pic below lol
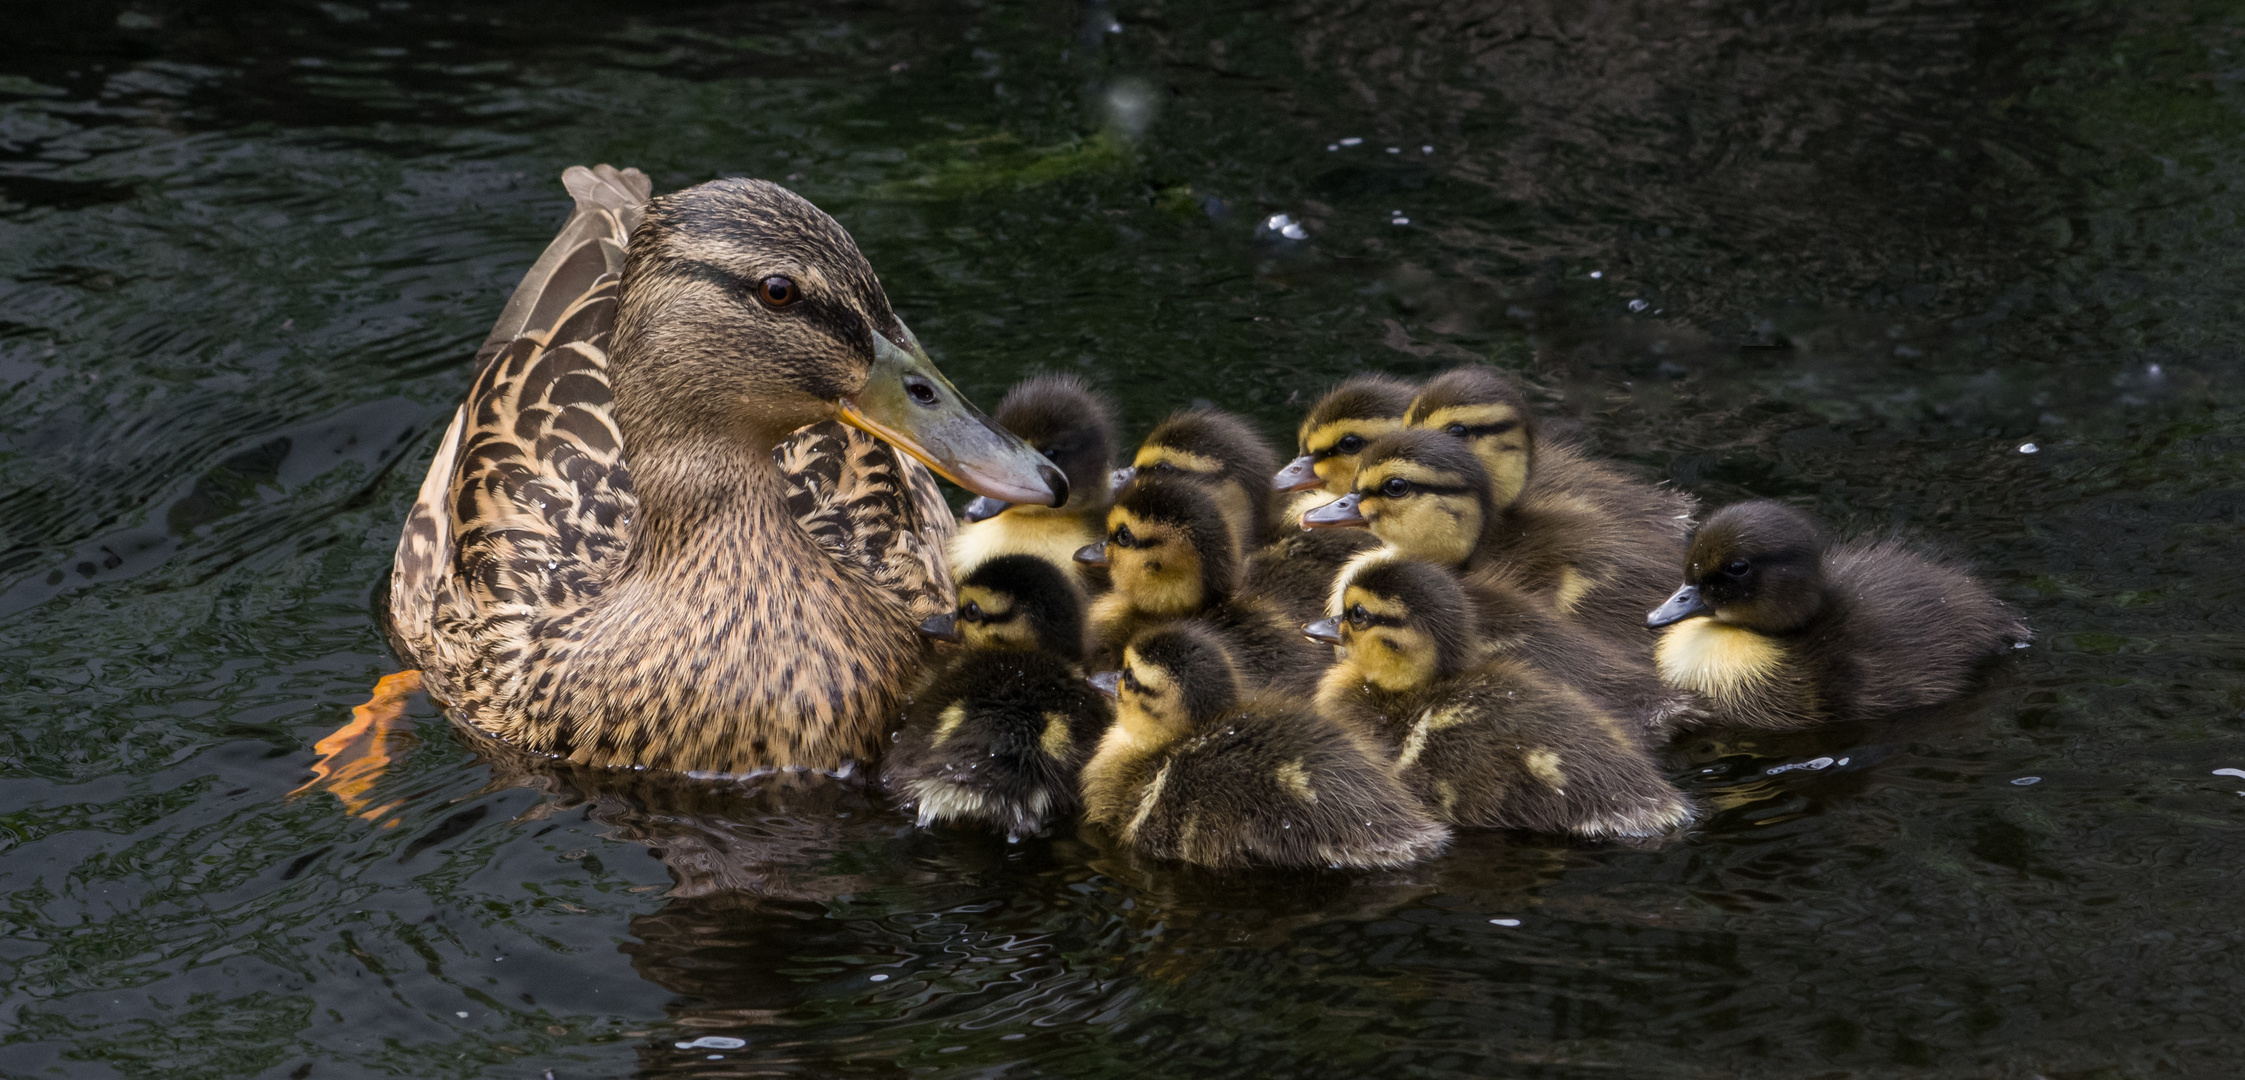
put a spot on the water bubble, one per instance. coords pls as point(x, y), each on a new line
point(1399, 220)
point(461, 1015)
point(1395, 149)
point(2154, 371)
point(1114, 28)
point(2238, 773)
point(1504, 922)
point(1130, 105)
point(1638, 305)
point(1352, 141)
point(1429, 148)
point(714, 1042)
point(1812, 764)
point(2026, 781)
point(880, 978)
point(1596, 274)
point(2029, 448)
point(1332, 146)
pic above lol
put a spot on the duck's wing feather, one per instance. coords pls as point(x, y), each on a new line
point(876, 511)
point(523, 509)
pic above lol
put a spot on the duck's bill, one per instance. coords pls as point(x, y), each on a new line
point(1094, 554)
point(1684, 605)
point(909, 405)
point(983, 508)
point(1324, 631)
point(943, 626)
point(1106, 682)
point(1299, 474)
point(1341, 513)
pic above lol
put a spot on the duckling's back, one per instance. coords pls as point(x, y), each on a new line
point(1903, 630)
point(999, 738)
point(1272, 784)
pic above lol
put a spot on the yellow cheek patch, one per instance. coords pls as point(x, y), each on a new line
point(1185, 460)
point(1716, 659)
point(1055, 742)
point(1543, 764)
point(1438, 529)
point(947, 722)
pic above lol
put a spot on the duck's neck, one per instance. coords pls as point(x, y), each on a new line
point(695, 488)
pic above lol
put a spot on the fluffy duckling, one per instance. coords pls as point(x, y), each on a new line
point(1074, 427)
point(1191, 771)
point(1776, 628)
point(1631, 530)
point(1172, 555)
point(999, 735)
point(1219, 451)
point(1427, 495)
point(1484, 738)
point(1337, 429)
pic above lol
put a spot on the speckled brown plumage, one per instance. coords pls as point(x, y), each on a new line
point(710, 594)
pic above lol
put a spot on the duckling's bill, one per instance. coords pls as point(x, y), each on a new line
point(941, 626)
point(1299, 474)
point(1325, 631)
point(1684, 605)
point(908, 404)
point(1341, 513)
point(1106, 682)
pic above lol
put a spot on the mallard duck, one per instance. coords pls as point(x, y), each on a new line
point(1427, 494)
point(1172, 555)
point(1000, 732)
point(1485, 739)
point(1192, 771)
point(1624, 533)
point(1337, 428)
point(669, 527)
point(1776, 628)
point(1073, 426)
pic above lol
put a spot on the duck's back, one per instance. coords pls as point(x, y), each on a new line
point(1273, 785)
point(1902, 631)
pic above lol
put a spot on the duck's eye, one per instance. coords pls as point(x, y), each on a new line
point(921, 391)
point(778, 291)
point(1358, 616)
point(1350, 444)
point(972, 612)
point(1396, 487)
point(1124, 538)
point(1736, 568)
point(1456, 430)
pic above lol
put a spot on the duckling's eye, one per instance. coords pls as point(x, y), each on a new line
point(778, 291)
point(1455, 430)
point(1396, 487)
point(1736, 568)
point(1350, 444)
point(1130, 681)
point(1164, 467)
point(1358, 616)
point(972, 612)
point(1123, 537)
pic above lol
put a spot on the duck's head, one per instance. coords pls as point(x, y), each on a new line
point(1014, 602)
point(1485, 408)
point(1173, 679)
point(1217, 450)
point(1422, 493)
point(1169, 548)
point(1337, 429)
point(1400, 623)
point(744, 313)
point(1757, 565)
point(1073, 427)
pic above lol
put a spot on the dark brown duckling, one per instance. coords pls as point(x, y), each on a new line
point(1073, 426)
point(1776, 628)
point(999, 734)
point(1629, 530)
point(1484, 738)
point(1171, 552)
point(1194, 772)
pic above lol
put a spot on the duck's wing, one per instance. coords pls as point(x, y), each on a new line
point(523, 510)
point(877, 511)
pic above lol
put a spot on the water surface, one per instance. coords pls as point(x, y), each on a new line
point(1969, 270)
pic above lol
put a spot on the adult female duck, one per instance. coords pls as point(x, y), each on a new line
point(643, 542)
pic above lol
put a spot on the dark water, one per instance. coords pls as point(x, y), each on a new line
point(1856, 255)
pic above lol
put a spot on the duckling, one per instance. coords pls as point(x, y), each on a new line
point(1220, 451)
point(1338, 427)
point(1073, 426)
point(1192, 771)
point(1484, 738)
point(999, 735)
point(1628, 530)
point(1776, 628)
point(1427, 495)
point(1172, 554)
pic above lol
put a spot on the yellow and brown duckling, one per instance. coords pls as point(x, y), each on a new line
point(1484, 738)
point(1337, 428)
point(1172, 555)
point(1193, 771)
point(1219, 451)
point(999, 735)
point(1073, 426)
point(1624, 531)
point(1776, 628)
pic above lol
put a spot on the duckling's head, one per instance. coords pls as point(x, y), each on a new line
point(1173, 678)
point(1014, 602)
point(1487, 409)
point(1218, 450)
point(1422, 493)
point(1337, 429)
point(1063, 418)
point(744, 313)
point(1169, 548)
point(1400, 622)
point(1757, 565)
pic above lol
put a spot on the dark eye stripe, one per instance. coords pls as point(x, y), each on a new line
point(1475, 431)
point(1422, 488)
